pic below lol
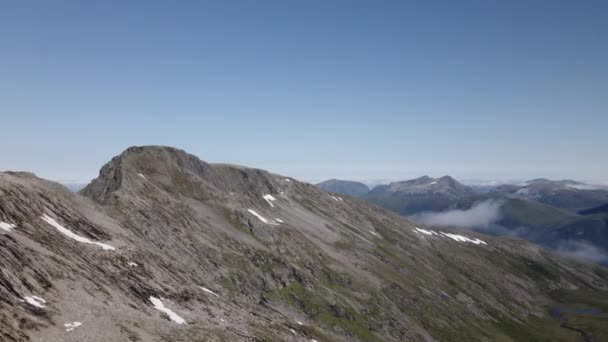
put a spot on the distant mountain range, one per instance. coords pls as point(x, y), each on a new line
point(354, 189)
point(74, 187)
point(562, 215)
point(564, 194)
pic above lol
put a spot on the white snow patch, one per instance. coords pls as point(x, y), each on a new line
point(287, 180)
point(262, 218)
point(132, 264)
point(141, 175)
point(35, 301)
point(373, 233)
point(456, 237)
point(431, 183)
point(340, 198)
point(313, 340)
point(269, 199)
point(463, 238)
point(71, 326)
point(209, 291)
point(293, 331)
point(299, 323)
point(71, 235)
point(158, 305)
point(426, 232)
point(7, 226)
point(335, 198)
point(279, 220)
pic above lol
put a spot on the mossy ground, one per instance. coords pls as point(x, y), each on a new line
point(595, 324)
point(328, 314)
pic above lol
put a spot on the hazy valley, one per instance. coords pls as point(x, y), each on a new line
point(567, 216)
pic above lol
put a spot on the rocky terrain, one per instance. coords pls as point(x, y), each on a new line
point(165, 247)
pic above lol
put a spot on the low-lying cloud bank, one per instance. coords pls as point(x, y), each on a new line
point(484, 216)
point(480, 215)
point(582, 250)
point(585, 186)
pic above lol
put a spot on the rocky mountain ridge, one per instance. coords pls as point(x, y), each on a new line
point(165, 247)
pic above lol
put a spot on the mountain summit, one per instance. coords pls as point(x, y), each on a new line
point(445, 185)
point(163, 246)
point(419, 195)
point(344, 187)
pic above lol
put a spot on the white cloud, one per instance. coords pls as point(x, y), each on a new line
point(584, 186)
point(482, 214)
point(582, 250)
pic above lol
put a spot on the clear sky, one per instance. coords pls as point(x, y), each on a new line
point(312, 89)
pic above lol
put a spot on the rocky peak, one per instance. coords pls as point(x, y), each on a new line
point(426, 184)
point(141, 169)
point(421, 180)
point(448, 179)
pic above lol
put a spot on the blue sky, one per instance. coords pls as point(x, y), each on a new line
point(311, 89)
